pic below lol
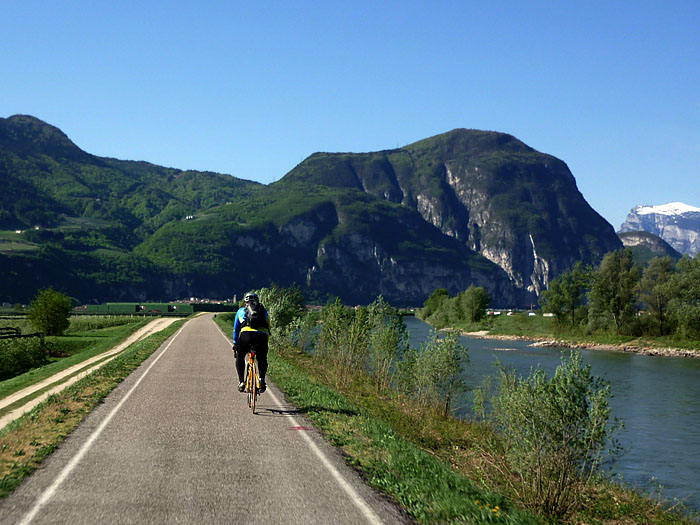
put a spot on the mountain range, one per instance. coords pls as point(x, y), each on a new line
point(676, 223)
point(460, 208)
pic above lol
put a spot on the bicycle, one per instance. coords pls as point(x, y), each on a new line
point(252, 380)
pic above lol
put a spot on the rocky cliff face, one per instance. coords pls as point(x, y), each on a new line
point(338, 248)
point(676, 223)
point(517, 207)
point(403, 275)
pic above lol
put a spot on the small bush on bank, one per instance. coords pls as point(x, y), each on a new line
point(388, 342)
point(552, 435)
point(432, 375)
point(19, 355)
point(343, 340)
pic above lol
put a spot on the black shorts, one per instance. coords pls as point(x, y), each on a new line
point(247, 341)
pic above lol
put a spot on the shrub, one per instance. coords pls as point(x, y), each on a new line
point(433, 303)
point(283, 305)
point(473, 302)
point(19, 355)
point(552, 434)
point(432, 375)
point(388, 342)
point(343, 340)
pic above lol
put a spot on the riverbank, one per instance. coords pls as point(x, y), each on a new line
point(588, 345)
point(654, 397)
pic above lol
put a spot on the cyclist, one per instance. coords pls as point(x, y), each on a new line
point(251, 330)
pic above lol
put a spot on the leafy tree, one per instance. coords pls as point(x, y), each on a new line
point(553, 300)
point(566, 293)
point(283, 305)
point(433, 303)
point(614, 286)
point(474, 301)
point(656, 288)
point(49, 311)
point(685, 308)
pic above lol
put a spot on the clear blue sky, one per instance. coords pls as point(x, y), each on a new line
point(253, 88)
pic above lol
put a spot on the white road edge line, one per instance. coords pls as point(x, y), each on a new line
point(349, 490)
point(49, 492)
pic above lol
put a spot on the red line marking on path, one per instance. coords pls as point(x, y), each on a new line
point(300, 428)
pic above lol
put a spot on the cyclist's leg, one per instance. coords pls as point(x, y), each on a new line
point(261, 350)
point(243, 347)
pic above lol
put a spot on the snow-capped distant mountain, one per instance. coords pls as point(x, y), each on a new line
point(672, 208)
point(676, 223)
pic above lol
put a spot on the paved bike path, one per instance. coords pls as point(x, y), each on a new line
point(176, 442)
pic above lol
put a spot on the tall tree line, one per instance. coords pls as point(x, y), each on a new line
point(660, 299)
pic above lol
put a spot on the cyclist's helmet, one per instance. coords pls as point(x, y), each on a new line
point(251, 297)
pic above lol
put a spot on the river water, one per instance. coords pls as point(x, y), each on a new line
point(658, 398)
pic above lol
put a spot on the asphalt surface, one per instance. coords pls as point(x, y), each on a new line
point(177, 443)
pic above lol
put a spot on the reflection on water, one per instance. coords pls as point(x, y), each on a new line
point(658, 398)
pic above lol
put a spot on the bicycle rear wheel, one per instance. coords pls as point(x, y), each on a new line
point(249, 384)
point(255, 386)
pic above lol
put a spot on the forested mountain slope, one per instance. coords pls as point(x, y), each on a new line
point(466, 207)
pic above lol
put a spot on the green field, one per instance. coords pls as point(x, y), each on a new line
point(11, 241)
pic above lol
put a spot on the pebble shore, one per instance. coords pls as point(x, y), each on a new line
point(548, 342)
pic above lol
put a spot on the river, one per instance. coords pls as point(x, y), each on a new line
point(658, 398)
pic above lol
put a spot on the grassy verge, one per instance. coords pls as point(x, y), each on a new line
point(25, 442)
point(426, 487)
point(436, 469)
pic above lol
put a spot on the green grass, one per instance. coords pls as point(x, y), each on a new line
point(425, 486)
point(19, 322)
point(521, 323)
point(98, 324)
point(78, 223)
point(99, 341)
point(11, 241)
point(17, 246)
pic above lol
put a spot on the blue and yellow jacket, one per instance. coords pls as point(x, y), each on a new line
point(239, 325)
